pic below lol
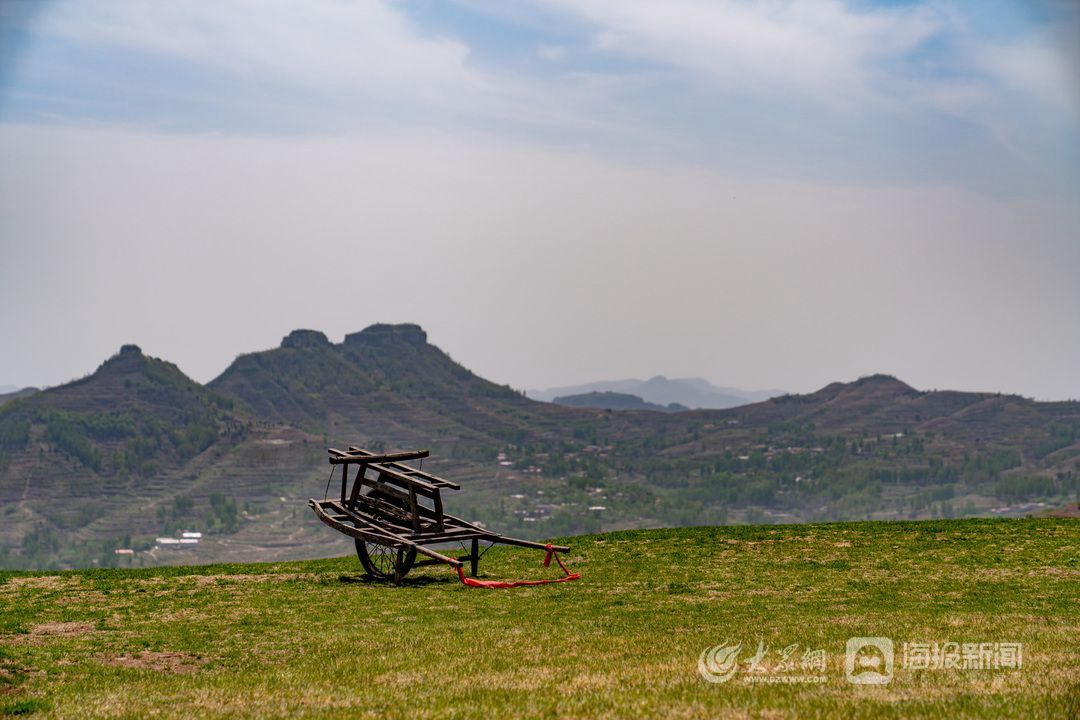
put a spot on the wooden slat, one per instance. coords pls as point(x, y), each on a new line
point(405, 469)
point(528, 544)
point(358, 515)
point(414, 507)
point(422, 563)
point(435, 538)
point(407, 479)
point(377, 533)
point(391, 491)
point(439, 518)
point(359, 455)
point(428, 477)
point(367, 529)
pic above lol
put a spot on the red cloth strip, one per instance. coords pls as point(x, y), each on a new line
point(568, 576)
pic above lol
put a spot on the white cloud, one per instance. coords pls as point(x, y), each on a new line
point(819, 48)
point(754, 86)
point(1034, 66)
point(904, 73)
point(347, 53)
point(317, 43)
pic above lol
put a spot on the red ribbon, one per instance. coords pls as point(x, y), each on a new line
point(567, 575)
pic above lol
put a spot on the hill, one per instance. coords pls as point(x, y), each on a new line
point(384, 382)
point(615, 401)
point(131, 416)
point(694, 393)
point(316, 639)
point(138, 451)
point(14, 394)
point(81, 460)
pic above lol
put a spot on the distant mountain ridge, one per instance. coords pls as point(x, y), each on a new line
point(693, 393)
point(615, 401)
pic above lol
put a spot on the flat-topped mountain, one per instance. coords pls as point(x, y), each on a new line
point(383, 335)
point(384, 382)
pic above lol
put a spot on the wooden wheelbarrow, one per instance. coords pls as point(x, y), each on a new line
point(394, 512)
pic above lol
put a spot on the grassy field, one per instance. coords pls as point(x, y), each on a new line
point(317, 639)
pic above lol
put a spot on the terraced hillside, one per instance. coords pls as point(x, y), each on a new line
point(83, 461)
point(137, 450)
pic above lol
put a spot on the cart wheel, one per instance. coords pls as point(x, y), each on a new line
point(383, 561)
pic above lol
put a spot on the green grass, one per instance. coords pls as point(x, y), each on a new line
point(316, 639)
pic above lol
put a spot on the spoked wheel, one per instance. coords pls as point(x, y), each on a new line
point(384, 561)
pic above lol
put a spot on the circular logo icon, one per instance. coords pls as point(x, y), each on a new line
point(719, 663)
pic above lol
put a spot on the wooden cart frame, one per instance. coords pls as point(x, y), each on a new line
point(394, 512)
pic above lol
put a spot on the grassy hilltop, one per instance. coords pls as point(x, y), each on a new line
point(316, 639)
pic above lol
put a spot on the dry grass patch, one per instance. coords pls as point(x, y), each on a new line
point(174, 662)
point(62, 628)
point(42, 582)
point(247, 579)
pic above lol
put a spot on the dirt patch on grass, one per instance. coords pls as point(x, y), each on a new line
point(253, 578)
point(84, 597)
point(43, 632)
point(174, 662)
point(62, 628)
point(184, 615)
point(43, 582)
point(10, 681)
point(1027, 571)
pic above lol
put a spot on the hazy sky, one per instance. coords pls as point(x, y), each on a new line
point(772, 194)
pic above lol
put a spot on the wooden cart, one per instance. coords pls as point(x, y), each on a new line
point(394, 512)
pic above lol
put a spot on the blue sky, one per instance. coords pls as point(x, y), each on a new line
point(979, 93)
point(932, 106)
